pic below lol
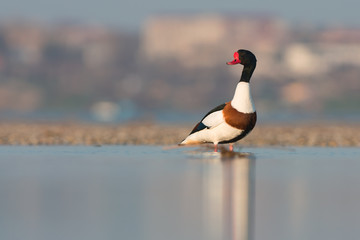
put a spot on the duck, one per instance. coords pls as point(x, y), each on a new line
point(233, 120)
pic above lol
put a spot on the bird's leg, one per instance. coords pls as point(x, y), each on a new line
point(215, 147)
point(231, 147)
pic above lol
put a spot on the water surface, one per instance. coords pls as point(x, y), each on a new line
point(146, 192)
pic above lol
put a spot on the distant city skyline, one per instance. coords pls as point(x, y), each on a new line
point(131, 15)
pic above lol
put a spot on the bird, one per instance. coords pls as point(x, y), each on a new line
point(233, 120)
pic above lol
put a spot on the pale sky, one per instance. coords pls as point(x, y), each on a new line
point(130, 14)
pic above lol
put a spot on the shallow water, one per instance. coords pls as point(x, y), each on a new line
point(146, 192)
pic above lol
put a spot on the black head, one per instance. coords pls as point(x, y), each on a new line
point(243, 57)
point(246, 58)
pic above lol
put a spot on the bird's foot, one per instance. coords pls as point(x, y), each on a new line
point(215, 147)
point(231, 148)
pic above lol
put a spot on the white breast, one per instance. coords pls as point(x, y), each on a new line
point(242, 100)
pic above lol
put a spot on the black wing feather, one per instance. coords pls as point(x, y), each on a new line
point(200, 126)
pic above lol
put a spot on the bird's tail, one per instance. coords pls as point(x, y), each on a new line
point(184, 143)
point(188, 141)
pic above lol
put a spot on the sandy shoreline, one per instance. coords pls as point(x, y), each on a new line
point(330, 134)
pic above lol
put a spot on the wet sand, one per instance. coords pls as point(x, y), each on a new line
point(329, 134)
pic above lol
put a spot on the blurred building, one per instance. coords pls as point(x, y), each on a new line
point(208, 40)
point(97, 44)
point(24, 41)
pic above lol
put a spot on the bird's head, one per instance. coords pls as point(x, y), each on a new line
point(243, 57)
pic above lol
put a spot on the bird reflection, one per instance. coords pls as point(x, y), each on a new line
point(229, 194)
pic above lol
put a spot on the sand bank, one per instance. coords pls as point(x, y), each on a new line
point(330, 134)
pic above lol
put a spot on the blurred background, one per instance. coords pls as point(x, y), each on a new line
point(119, 61)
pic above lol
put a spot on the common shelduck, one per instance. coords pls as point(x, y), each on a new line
point(231, 121)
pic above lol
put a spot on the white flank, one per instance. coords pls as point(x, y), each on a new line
point(242, 100)
point(214, 119)
point(222, 132)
